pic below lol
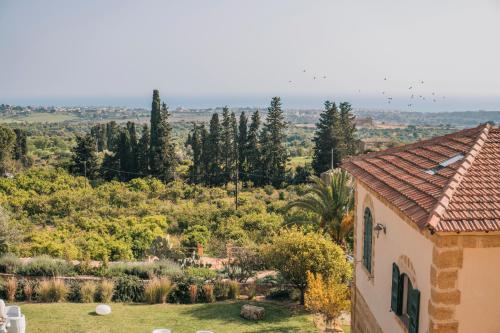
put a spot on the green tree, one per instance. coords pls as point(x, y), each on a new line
point(253, 150)
point(21, 146)
point(84, 160)
point(214, 151)
point(272, 140)
point(242, 146)
point(293, 254)
point(112, 135)
point(348, 130)
point(327, 140)
point(162, 161)
point(143, 151)
point(194, 141)
point(98, 132)
point(332, 202)
point(7, 142)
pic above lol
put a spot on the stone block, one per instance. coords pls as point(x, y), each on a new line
point(252, 312)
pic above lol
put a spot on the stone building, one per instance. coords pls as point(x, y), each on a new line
point(427, 235)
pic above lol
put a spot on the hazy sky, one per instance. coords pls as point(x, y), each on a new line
point(216, 52)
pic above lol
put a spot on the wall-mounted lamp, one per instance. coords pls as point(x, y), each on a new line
point(380, 227)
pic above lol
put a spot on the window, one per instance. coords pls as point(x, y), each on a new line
point(367, 239)
point(405, 300)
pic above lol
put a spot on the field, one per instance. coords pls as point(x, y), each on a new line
point(40, 117)
point(222, 317)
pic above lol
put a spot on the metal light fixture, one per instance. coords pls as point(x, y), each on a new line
point(380, 227)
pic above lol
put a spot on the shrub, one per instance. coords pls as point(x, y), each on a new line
point(52, 290)
point(250, 290)
point(221, 290)
point(180, 292)
point(157, 290)
point(28, 290)
point(197, 234)
point(283, 294)
point(128, 289)
point(193, 293)
point(11, 288)
point(327, 297)
point(234, 290)
point(46, 266)
point(87, 291)
point(200, 273)
point(74, 291)
point(162, 268)
point(9, 263)
point(208, 293)
point(105, 291)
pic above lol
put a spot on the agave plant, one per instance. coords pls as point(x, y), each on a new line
point(333, 202)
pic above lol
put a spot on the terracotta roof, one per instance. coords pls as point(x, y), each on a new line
point(448, 183)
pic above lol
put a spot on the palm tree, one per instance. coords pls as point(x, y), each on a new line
point(333, 202)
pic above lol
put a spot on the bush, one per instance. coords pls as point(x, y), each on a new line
point(250, 290)
point(128, 289)
point(87, 291)
point(279, 294)
point(74, 291)
point(221, 290)
point(157, 290)
point(47, 266)
point(193, 293)
point(9, 263)
point(28, 290)
point(234, 290)
point(208, 293)
point(162, 268)
point(105, 291)
point(52, 290)
point(11, 289)
point(200, 273)
point(180, 292)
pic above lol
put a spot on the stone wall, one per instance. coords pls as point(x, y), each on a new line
point(363, 320)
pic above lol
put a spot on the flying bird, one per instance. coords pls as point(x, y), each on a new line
point(410, 87)
point(324, 76)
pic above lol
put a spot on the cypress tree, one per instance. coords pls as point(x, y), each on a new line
point(125, 156)
point(134, 155)
point(274, 155)
point(348, 130)
point(110, 166)
point(234, 146)
point(214, 151)
point(327, 140)
point(253, 150)
point(205, 158)
point(112, 135)
point(21, 144)
point(143, 151)
point(84, 159)
point(154, 163)
point(226, 142)
point(162, 161)
point(194, 141)
point(242, 146)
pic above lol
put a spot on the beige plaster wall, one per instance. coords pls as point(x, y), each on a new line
point(402, 244)
point(479, 284)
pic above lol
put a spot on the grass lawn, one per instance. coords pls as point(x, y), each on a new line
point(222, 317)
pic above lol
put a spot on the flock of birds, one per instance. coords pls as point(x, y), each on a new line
point(413, 96)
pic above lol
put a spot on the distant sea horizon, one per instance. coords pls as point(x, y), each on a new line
point(365, 102)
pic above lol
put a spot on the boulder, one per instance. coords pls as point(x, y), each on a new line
point(252, 312)
point(103, 309)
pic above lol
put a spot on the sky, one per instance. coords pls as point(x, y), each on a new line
point(241, 53)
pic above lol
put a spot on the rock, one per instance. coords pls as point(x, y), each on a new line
point(103, 309)
point(252, 312)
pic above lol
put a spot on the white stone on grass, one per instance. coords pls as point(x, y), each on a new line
point(162, 330)
point(103, 309)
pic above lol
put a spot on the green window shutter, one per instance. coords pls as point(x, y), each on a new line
point(395, 291)
point(413, 310)
point(367, 240)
